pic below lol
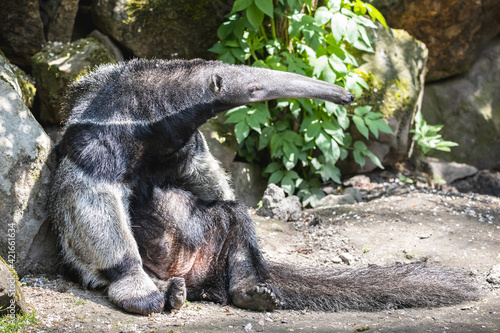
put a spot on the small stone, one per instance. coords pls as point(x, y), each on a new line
point(347, 258)
point(494, 275)
point(336, 260)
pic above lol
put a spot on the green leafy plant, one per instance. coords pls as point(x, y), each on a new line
point(299, 141)
point(427, 136)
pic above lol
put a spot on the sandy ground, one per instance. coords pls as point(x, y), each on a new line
point(456, 230)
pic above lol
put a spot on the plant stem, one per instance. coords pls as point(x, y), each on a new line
point(263, 32)
point(273, 28)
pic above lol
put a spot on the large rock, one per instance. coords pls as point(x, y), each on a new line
point(11, 295)
point(21, 30)
point(25, 83)
point(247, 182)
point(57, 65)
point(25, 169)
point(276, 206)
point(469, 109)
point(483, 182)
point(61, 20)
point(455, 31)
point(395, 75)
point(447, 171)
point(162, 28)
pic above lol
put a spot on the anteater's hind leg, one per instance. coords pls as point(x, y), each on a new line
point(211, 245)
point(248, 273)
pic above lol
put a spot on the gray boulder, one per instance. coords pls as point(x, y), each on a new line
point(483, 182)
point(21, 31)
point(25, 170)
point(11, 295)
point(395, 75)
point(57, 65)
point(455, 32)
point(163, 28)
point(448, 171)
point(247, 182)
point(468, 107)
point(276, 206)
point(61, 14)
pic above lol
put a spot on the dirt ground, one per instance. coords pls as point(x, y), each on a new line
point(402, 224)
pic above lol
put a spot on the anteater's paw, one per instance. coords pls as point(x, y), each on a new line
point(175, 295)
point(262, 297)
point(136, 294)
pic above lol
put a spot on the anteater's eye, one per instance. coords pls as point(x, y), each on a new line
point(254, 88)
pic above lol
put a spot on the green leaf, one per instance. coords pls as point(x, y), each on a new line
point(276, 177)
point(265, 137)
point(339, 111)
point(359, 9)
point(265, 6)
point(337, 65)
point(312, 130)
point(352, 85)
point(272, 167)
point(383, 126)
point(291, 151)
point(288, 185)
point(372, 126)
point(237, 115)
point(254, 124)
point(315, 163)
point(328, 146)
point(276, 143)
point(322, 69)
point(338, 26)
point(330, 172)
point(332, 128)
point(360, 125)
point(351, 33)
point(218, 48)
point(227, 58)
point(240, 5)
point(238, 54)
point(362, 110)
point(322, 16)
point(225, 29)
point(374, 159)
point(255, 16)
point(241, 130)
point(295, 108)
point(359, 153)
point(376, 15)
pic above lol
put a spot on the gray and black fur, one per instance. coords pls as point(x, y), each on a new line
point(144, 210)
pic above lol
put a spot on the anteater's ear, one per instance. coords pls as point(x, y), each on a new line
point(216, 84)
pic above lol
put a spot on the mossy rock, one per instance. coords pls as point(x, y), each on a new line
point(11, 295)
point(57, 65)
point(162, 28)
point(395, 74)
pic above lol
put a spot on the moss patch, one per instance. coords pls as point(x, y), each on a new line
point(390, 98)
point(58, 64)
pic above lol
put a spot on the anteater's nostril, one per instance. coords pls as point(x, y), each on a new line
point(350, 97)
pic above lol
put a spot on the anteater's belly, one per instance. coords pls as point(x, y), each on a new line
point(168, 258)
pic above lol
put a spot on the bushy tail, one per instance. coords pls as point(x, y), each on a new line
point(370, 289)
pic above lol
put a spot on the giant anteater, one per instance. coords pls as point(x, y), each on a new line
point(144, 210)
